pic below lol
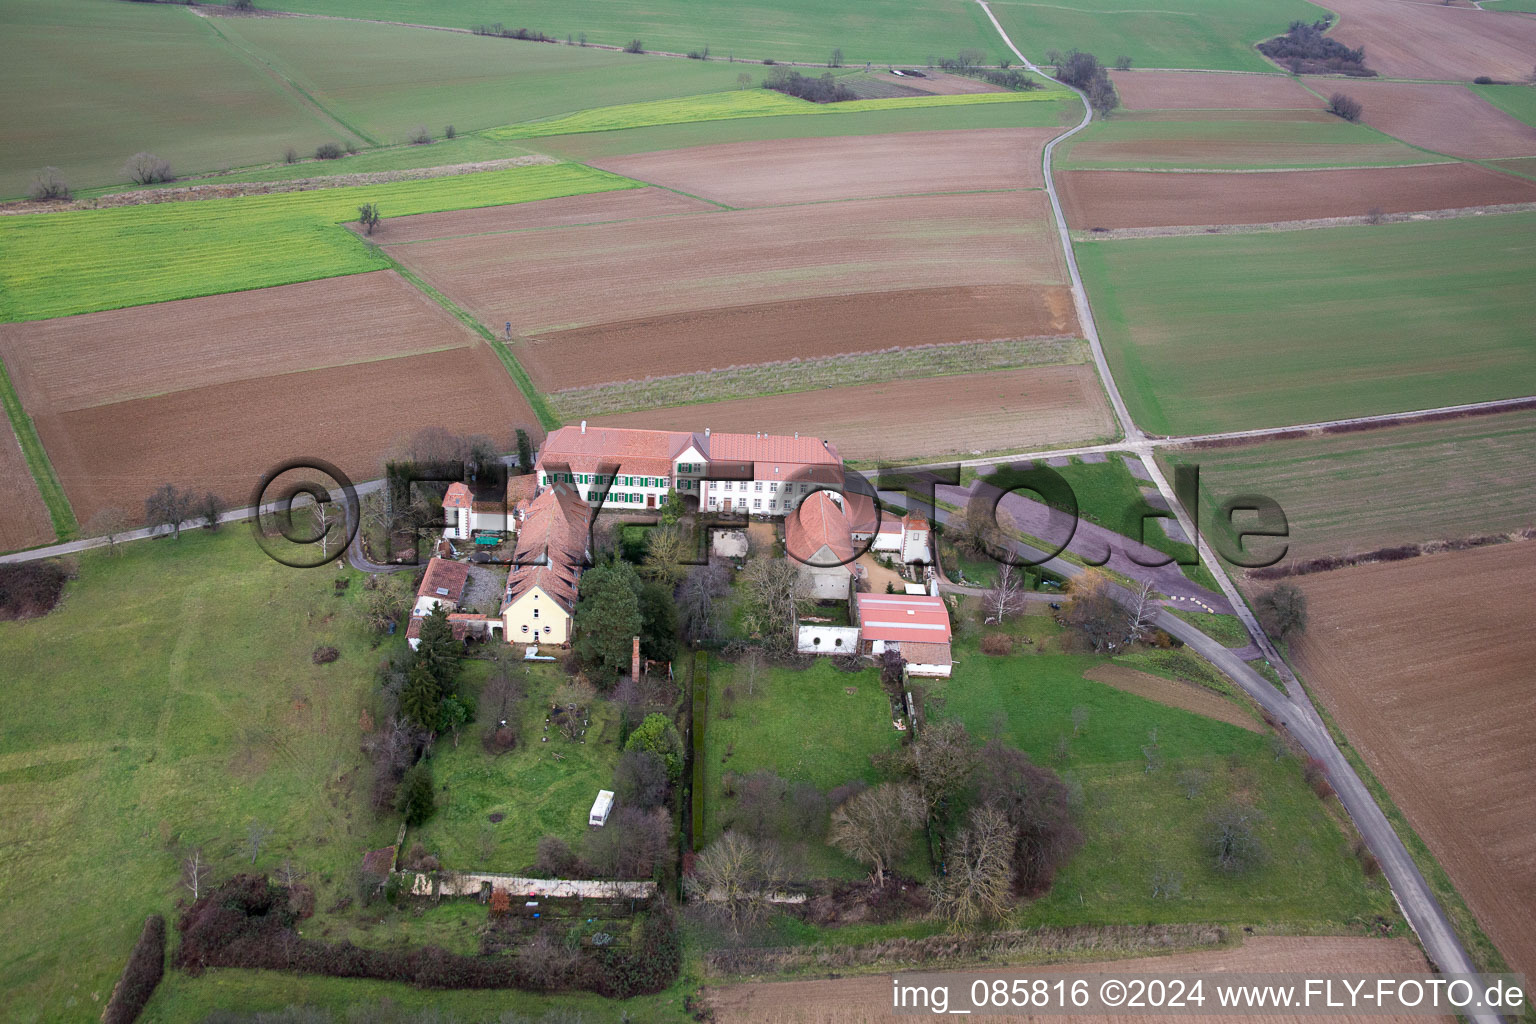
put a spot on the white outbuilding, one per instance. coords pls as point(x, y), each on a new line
point(598, 817)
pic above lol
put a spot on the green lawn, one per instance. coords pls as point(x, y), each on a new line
point(805, 726)
point(1228, 630)
point(746, 103)
point(537, 793)
point(1367, 489)
point(1137, 823)
point(1208, 333)
point(597, 145)
point(1214, 34)
point(1232, 144)
point(63, 263)
point(391, 79)
point(169, 702)
point(803, 30)
point(1515, 100)
point(96, 82)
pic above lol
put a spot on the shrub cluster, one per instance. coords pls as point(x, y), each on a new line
point(997, 643)
point(1083, 71)
point(324, 655)
point(531, 34)
point(818, 90)
point(1306, 50)
point(245, 922)
point(146, 966)
point(1398, 553)
point(29, 589)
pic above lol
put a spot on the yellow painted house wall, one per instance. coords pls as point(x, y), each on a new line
point(520, 613)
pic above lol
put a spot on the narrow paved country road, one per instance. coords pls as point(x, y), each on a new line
point(1293, 709)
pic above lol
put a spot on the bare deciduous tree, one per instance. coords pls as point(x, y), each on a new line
point(147, 169)
point(940, 762)
point(1233, 839)
point(256, 837)
point(1140, 613)
point(737, 876)
point(874, 826)
point(195, 873)
point(1344, 106)
point(48, 184)
point(168, 508)
point(773, 589)
point(209, 508)
point(1092, 612)
point(667, 549)
point(979, 881)
point(1006, 595)
point(698, 599)
point(1283, 610)
point(109, 523)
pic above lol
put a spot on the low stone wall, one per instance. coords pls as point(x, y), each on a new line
point(472, 884)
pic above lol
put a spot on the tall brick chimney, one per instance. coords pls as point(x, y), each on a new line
point(634, 662)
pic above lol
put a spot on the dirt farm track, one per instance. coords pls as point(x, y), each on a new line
point(1426, 664)
point(1134, 199)
point(862, 999)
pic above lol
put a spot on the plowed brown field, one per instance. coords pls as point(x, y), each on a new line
point(115, 356)
point(1426, 664)
point(565, 278)
point(1134, 199)
point(624, 204)
point(1412, 39)
point(24, 520)
point(814, 170)
point(798, 329)
point(1445, 118)
point(866, 999)
point(224, 436)
point(1251, 152)
point(1203, 90)
point(1012, 409)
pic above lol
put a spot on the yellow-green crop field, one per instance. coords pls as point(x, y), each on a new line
point(58, 264)
point(723, 106)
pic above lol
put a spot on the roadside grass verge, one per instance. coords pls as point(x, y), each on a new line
point(1227, 630)
point(810, 374)
point(77, 262)
point(1316, 325)
point(743, 103)
point(38, 464)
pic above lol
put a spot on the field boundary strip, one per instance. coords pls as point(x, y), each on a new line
point(270, 69)
point(536, 401)
point(65, 525)
point(789, 376)
point(743, 103)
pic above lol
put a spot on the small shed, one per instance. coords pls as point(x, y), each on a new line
point(600, 808)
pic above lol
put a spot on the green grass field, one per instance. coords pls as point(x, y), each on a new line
point(1528, 6)
point(805, 726)
point(1232, 144)
point(167, 703)
point(64, 263)
point(597, 145)
point(538, 794)
point(744, 103)
point(1214, 34)
point(393, 79)
point(103, 81)
point(1221, 333)
point(803, 30)
point(1376, 488)
point(1517, 101)
point(1138, 823)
